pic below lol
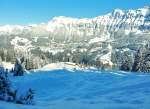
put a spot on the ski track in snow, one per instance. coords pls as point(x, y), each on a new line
point(64, 89)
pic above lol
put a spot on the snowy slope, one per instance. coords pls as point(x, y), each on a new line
point(62, 89)
point(8, 65)
point(67, 66)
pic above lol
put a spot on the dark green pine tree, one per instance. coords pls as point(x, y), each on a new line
point(28, 98)
point(18, 70)
point(146, 63)
point(4, 85)
point(140, 58)
point(137, 61)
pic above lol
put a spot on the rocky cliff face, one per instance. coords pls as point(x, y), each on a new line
point(125, 21)
point(106, 41)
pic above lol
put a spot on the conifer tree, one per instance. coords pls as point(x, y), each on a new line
point(18, 69)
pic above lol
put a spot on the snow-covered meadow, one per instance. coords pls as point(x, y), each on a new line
point(79, 89)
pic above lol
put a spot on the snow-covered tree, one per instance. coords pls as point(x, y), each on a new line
point(141, 61)
point(146, 63)
point(0, 61)
point(127, 62)
point(6, 91)
point(125, 65)
point(4, 84)
point(137, 61)
point(18, 69)
point(27, 99)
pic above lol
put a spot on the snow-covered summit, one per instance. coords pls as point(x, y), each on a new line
point(118, 12)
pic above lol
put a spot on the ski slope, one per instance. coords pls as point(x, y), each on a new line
point(63, 89)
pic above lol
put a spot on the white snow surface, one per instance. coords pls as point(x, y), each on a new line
point(8, 65)
point(62, 89)
point(97, 39)
point(66, 65)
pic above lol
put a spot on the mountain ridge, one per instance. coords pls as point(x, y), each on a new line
point(117, 14)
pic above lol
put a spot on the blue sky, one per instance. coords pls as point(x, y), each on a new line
point(37, 11)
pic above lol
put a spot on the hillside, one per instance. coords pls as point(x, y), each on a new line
point(62, 89)
point(103, 41)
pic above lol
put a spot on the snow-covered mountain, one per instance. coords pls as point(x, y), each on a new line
point(129, 21)
point(91, 40)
